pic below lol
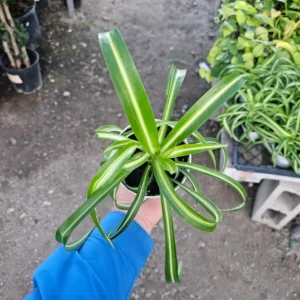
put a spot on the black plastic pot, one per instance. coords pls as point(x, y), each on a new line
point(31, 23)
point(27, 80)
point(42, 3)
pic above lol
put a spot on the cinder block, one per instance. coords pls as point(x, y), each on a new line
point(276, 203)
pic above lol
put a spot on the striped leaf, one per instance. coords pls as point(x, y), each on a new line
point(172, 271)
point(192, 180)
point(109, 128)
point(136, 204)
point(188, 149)
point(137, 160)
point(111, 168)
point(168, 165)
point(215, 174)
point(175, 80)
point(104, 135)
point(130, 89)
point(205, 107)
point(180, 206)
point(207, 204)
point(119, 144)
point(65, 230)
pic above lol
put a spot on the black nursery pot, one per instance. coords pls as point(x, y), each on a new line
point(32, 25)
point(132, 181)
point(77, 3)
point(42, 3)
point(26, 80)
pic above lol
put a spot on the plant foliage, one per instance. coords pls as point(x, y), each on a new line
point(156, 150)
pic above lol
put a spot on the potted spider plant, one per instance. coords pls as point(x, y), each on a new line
point(20, 64)
point(155, 153)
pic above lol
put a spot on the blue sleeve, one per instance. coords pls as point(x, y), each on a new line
point(96, 270)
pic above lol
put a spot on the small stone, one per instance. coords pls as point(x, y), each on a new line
point(57, 44)
point(250, 184)
point(84, 45)
point(52, 80)
point(46, 203)
point(119, 115)
point(61, 65)
point(110, 92)
point(93, 61)
point(194, 3)
point(10, 210)
point(20, 172)
point(69, 30)
point(74, 47)
point(66, 94)
point(171, 48)
point(50, 192)
point(55, 103)
point(94, 54)
point(201, 244)
point(13, 141)
point(104, 18)
point(148, 295)
point(22, 216)
point(183, 111)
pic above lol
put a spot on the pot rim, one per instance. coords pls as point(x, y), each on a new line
point(32, 10)
point(155, 196)
point(7, 70)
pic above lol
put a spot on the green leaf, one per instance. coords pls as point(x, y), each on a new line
point(192, 180)
point(104, 135)
point(168, 165)
point(137, 160)
point(258, 50)
point(265, 19)
point(240, 17)
point(188, 149)
point(173, 273)
point(249, 34)
point(215, 174)
point(130, 89)
point(111, 168)
point(67, 227)
point(136, 204)
point(207, 204)
point(188, 214)
point(205, 107)
point(109, 128)
point(174, 83)
point(261, 31)
point(119, 144)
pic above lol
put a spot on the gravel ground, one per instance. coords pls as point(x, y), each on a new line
point(49, 153)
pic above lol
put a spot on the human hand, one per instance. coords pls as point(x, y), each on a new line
point(149, 213)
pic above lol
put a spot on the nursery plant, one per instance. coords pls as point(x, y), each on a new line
point(267, 110)
point(155, 153)
point(252, 31)
point(13, 37)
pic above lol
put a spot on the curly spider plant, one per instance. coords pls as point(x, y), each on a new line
point(156, 149)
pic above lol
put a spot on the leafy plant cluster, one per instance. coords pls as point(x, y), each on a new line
point(147, 145)
point(13, 37)
point(252, 31)
point(267, 109)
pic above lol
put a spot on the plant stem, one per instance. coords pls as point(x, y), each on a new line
point(11, 34)
point(26, 60)
point(8, 53)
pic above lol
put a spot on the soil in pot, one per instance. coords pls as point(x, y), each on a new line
point(134, 178)
point(20, 8)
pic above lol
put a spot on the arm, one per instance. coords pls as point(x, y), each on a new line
point(96, 270)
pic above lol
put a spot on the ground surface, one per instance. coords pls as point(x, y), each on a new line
point(49, 153)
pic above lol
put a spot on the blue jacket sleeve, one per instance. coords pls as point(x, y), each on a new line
point(96, 270)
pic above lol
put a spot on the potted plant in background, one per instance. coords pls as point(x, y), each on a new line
point(25, 12)
point(251, 31)
point(21, 65)
point(155, 153)
point(270, 108)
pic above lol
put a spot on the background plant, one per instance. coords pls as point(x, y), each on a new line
point(251, 32)
point(269, 104)
point(157, 152)
point(13, 37)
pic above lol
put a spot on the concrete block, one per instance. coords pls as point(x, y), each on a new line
point(276, 203)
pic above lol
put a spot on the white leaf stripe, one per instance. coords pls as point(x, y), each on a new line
point(171, 264)
point(136, 204)
point(109, 128)
point(103, 135)
point(213, 173)
point(147, 137)
point(199, 113)
point(182, 209)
